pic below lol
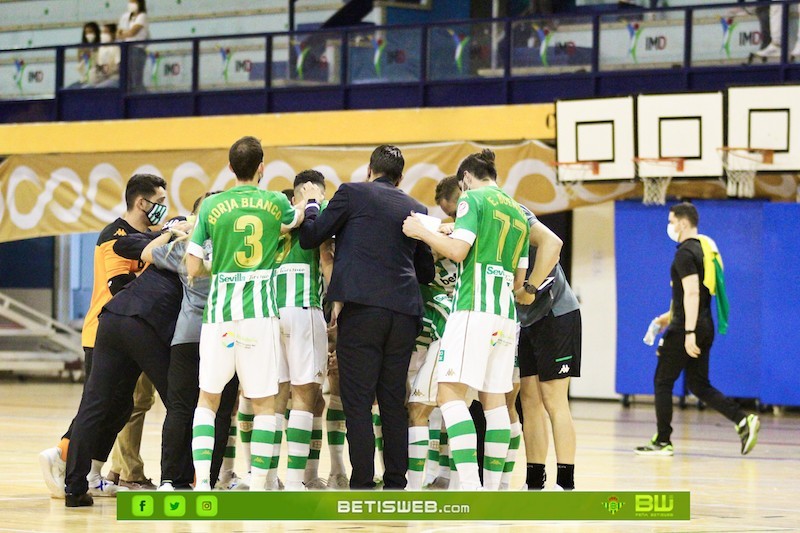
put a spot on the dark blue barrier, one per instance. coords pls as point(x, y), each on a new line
point(780, 324)
point(644, 254)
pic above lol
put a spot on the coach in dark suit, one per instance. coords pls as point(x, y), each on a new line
point(376, 275)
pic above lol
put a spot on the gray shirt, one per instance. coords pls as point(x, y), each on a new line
point(190, 318)
point(559, 299)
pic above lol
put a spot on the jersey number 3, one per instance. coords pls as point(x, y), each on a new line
point(253, 229)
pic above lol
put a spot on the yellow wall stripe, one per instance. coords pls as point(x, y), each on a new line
point(485, 123)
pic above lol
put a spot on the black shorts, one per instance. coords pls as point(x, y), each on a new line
point(551, 347)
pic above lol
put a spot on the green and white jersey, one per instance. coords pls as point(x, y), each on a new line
point(493, 224)
point(244, 226)
point(437, 309)
point(446, 275)
point(298, 281)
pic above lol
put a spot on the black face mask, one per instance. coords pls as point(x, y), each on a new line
point(156, 213)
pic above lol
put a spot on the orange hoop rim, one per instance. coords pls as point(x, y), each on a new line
point(594, 166)
point(678, 162)
point(767, 154)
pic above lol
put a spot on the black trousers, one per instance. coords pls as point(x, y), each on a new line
point(374, 348)
point(125, 347)
point(672, 360)
point(183, 390)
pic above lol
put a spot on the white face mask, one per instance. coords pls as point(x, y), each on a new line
point(673, 233)
point(133, 7)
point(91, 37)
point(105, 37)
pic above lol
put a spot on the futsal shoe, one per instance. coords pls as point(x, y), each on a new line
point(103, 488)
point(772, 50)
point(144, 484)
point(440, 483)
point(663, 449)
point(78, 500)
point(338, 482)
point(229, 482)
point(54, 470)
point(748, 432)
point(317, 484)
point(203, 486)
point(166, 486)
point(243, 484)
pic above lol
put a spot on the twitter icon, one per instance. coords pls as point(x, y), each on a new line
point(174, 506)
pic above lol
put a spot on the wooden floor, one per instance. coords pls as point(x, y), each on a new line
point(759, 492)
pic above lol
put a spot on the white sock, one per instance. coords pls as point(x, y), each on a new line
point(261, 446)
point(245, 418)
point(511, 457)
point(272, 474)
point(315, 446)
point(203, 444)
point(337, 430)
point(417, 449)
point(298, 444)
point(463, 443)
point(498, 431)
point(96, 472)
point(432, 460)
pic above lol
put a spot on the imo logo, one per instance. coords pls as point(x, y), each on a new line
point(495, 338)
point(634, 33)
point(19, 70)
point(226, 55)
point(728, 25)
point(378, 46)
point(613, 505)
point(545, 36)
point(155, 59)
point(461, 41)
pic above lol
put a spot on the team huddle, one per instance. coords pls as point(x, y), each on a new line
point(231, 322)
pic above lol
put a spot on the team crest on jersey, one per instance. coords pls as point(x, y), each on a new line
point(463, 209)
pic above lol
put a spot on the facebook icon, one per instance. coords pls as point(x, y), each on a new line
point(142, 506)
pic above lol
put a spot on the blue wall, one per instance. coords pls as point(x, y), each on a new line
point(644, 254)
point(27, 264)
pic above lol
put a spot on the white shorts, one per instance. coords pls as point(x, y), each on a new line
point(304, 339)
point(424, 384)
point(478, 349)
point(250, 348)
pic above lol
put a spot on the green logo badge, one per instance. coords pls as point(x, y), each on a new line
point(613, 505)
point(142, 506)
point(207, 506)
point(174, 506)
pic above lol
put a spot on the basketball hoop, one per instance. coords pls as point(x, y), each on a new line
point(575, 172)
point(655, 187)
point(741, 166)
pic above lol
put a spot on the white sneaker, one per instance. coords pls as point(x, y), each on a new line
point(166, 487)
point(230, 482)
point(243, 483)
point(338, 482)
point(103, 488)
point(772, 50)
point(54, 470)
point(294, 487)
point(795, 53)
point(275, 484)
point(202, 486)
point(317, 484)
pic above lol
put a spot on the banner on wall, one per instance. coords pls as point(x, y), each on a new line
point(46, 195)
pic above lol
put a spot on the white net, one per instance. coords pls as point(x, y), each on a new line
point(655, 186)
point(572, 175)
point(741, 166)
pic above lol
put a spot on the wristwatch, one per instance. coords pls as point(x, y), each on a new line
point(530, 289)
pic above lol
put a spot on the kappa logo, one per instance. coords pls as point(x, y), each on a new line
point(259, 460)
point(495, 462)
point(416, 392)
point(564, 369)
point(120, 233)
point(450, 372)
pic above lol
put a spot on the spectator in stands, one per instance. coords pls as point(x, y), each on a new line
point(108, 58)
point(87, 56)
point(133, 26)
point(776, 32)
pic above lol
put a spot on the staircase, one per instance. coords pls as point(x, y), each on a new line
point(34, 343)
